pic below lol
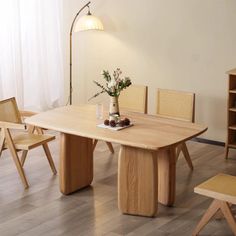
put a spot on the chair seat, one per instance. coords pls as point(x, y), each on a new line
point(221, 187)
point(28, 141)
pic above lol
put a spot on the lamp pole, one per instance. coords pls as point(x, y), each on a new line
point(71, 31)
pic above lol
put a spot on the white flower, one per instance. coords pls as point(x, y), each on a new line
point(111, 84)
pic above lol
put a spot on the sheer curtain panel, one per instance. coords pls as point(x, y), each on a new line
point(31, 63)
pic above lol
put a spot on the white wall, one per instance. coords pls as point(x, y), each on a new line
point(177, 44)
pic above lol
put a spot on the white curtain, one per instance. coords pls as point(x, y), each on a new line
point(31, 63)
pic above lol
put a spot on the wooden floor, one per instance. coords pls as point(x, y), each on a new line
point(42, 210)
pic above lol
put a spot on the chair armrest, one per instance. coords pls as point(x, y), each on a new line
point(8, 125)
point(27, 113)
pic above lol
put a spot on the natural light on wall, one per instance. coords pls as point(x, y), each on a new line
point(31, 61)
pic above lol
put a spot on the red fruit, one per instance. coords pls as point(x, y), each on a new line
point(106, 122)
point(112, 123)
point(121, 123)
point(126, 121)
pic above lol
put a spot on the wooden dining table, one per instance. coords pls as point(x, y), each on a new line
point(147, 156)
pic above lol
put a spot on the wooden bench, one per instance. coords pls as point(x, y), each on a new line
point(222, 188)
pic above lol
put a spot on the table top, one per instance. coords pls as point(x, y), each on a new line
point(148, 132)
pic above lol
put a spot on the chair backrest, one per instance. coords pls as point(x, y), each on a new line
point(9, 111)
point(134, 98)
point(176, 104)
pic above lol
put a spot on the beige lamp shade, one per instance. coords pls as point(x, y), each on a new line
point(88, 22)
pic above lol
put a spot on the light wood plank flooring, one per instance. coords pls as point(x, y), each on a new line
point(42, 210)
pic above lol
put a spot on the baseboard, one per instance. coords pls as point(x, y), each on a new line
point(208, 141)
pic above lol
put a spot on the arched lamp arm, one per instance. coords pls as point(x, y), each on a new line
point(71, 31)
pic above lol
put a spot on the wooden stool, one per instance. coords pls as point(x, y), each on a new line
point(222, 188)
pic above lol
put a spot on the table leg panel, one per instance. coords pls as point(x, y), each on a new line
point(166, 176)
point(76, 163)
point(137, 181)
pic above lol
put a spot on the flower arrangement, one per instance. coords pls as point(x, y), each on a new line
point(114, 85)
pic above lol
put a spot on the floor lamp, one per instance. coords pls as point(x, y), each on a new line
point(86, 22)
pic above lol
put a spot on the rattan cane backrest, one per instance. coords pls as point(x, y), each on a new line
point(9, 111)
point(176, 104)
point(134, 98)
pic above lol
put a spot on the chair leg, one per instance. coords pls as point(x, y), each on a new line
point(178, 150)
point(49, 157)
point(95, 144)
point(225, 208)
point(2, 140)
point(226, 151)
point(16, 158)
point(23, 157)
point(47, 151)
point(187, 156)
point(219, 215)
point(107, 143)
point(211, 211)
point(31, 129)
point(110, 147)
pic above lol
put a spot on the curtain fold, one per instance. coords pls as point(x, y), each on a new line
point(31, 62)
